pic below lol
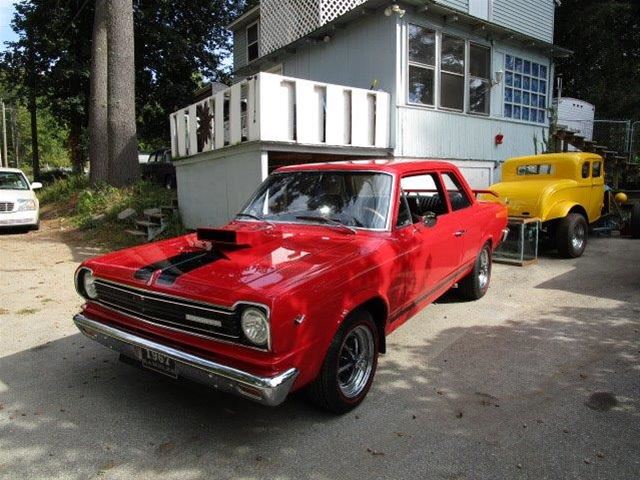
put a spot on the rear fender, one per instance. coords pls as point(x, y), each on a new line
point(560, 210)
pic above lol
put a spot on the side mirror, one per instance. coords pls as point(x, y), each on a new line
point(430, 219)
point(36, 186)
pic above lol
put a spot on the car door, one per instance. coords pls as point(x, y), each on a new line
point(436, 230)
point(596, 201)
point(464, 212)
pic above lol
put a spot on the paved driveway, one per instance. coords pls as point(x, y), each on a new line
point(493, 389)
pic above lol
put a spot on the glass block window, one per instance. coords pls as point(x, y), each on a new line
point(525, 90)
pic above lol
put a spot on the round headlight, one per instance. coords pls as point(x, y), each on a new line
point(255, 326)
point(89, 285)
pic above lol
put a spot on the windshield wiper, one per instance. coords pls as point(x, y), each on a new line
point(326, 220)
point(255, 217)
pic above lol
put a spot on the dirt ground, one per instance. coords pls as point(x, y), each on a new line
point(540, 379)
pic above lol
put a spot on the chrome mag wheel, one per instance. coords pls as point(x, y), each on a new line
point(355, 361)
point(579, 237)
point(484, 272)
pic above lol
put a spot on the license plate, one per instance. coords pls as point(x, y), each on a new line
point(158, 362)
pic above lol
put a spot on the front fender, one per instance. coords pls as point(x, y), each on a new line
point(558, 210)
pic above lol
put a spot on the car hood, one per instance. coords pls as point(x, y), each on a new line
point(276, 259)
point(15, 195)
point(524, 198)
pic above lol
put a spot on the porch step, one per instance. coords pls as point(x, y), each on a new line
point(136, 233)
point(154, 222)
point(148, 224)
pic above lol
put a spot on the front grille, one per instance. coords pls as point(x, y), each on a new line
point(175, 313)
point(6, 207)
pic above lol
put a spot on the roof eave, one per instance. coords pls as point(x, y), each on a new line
point(246, 17)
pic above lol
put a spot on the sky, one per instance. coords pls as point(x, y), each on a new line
point(6, 13)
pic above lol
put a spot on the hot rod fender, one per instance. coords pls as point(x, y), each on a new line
point(562, 209)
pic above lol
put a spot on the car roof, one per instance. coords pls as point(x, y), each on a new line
point(399, 167)
point(570, 157)
point(10, 170)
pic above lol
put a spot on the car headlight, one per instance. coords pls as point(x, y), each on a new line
point(86, 284)
point(26, 205)
point(255, 326)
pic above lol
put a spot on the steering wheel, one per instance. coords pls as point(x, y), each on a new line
point(376, 213)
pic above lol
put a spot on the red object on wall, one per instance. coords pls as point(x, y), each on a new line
point(499, 139)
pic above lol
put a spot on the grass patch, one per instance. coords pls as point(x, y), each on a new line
point(27, 311)
point(94, 210)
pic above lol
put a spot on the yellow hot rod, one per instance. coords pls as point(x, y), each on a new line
point(565, 191)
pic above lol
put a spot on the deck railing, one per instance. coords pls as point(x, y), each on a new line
point(273, 108)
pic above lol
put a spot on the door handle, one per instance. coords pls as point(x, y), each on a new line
point(460, 233)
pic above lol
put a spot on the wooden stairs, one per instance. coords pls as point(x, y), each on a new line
point(153, 222)
point(615, 163)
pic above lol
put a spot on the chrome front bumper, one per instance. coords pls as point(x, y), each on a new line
point(269, 391)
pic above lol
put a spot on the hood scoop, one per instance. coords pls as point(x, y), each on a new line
point(233, 239)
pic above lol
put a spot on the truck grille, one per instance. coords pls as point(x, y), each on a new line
point(171, 312)
point(6, 207)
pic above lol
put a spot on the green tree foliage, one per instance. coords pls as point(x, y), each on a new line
point(605, 69)
point(178, 45)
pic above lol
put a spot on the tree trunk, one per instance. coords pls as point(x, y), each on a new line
point(33, 110)
point(98, 107)
point(123, 144)
point(74, 144)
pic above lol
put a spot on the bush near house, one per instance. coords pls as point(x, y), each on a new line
point(94, 210)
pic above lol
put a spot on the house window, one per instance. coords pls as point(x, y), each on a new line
point(452, 73)
point(455, 76)
point(422, 61)
point(479, 79)
point(253, 52)
point(525, 91)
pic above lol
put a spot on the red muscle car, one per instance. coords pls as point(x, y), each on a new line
point(301, 289)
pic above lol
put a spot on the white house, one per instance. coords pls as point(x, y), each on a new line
point(324, 80)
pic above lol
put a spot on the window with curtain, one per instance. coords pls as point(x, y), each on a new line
point(253, 52)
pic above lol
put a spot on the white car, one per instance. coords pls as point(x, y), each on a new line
point(19, 206)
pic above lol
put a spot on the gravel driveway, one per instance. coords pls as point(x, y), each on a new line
point(500, 388)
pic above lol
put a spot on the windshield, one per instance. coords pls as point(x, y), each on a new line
point(13, 181)
point(354, 199)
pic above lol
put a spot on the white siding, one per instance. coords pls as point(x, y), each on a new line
point(213, 188)
point(532, 17)
point(462, 5)
point(430, 134)
point(239, 48)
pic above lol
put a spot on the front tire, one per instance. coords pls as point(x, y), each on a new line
point(571, 236)
point(349, 367)
point(475, 285)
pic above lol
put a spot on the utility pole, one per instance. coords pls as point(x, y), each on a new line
point(4, 135)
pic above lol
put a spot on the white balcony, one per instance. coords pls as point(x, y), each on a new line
point(273, 108)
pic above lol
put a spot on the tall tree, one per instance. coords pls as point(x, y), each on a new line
point(605, 36)
point(123, 144)
point(98, 108)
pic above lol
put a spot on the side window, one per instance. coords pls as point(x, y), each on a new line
point(424, 195)
point(597, 169)
point(585, 169)
point(404, 214)
point(457, 195)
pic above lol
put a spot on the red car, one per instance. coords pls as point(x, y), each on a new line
point(301, 289)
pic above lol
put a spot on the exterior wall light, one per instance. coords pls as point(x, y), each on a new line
point(497, 78)
point(394, 9)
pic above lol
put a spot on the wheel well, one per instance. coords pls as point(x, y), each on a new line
point(378, 310)
point(580, 210)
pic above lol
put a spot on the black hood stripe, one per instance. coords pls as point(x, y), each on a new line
point(174, 267)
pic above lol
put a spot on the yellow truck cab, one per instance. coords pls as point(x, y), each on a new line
point(564, 190)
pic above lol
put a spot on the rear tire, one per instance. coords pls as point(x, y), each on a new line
point(635, 221)
point(572, 235)
point(349, 367)
point(475, 285)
